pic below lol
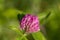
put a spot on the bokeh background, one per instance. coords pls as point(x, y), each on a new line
point(48, 12)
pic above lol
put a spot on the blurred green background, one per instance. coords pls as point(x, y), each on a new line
point(48, 12)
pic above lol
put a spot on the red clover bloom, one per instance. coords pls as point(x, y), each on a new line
point(30, 23)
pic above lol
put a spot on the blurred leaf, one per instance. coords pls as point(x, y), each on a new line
point(53, 23)
point(20, 16)
point(38, 36)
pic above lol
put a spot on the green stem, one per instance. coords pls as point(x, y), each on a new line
point(23, 36)
point(35, 6)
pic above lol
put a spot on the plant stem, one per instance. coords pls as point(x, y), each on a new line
point(35, 6)
point(23, 36)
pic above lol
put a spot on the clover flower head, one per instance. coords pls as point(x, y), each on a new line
point(30, 23)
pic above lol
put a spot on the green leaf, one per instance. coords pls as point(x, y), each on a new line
point(38, 36)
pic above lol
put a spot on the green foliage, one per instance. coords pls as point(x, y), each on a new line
point(49, 23)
